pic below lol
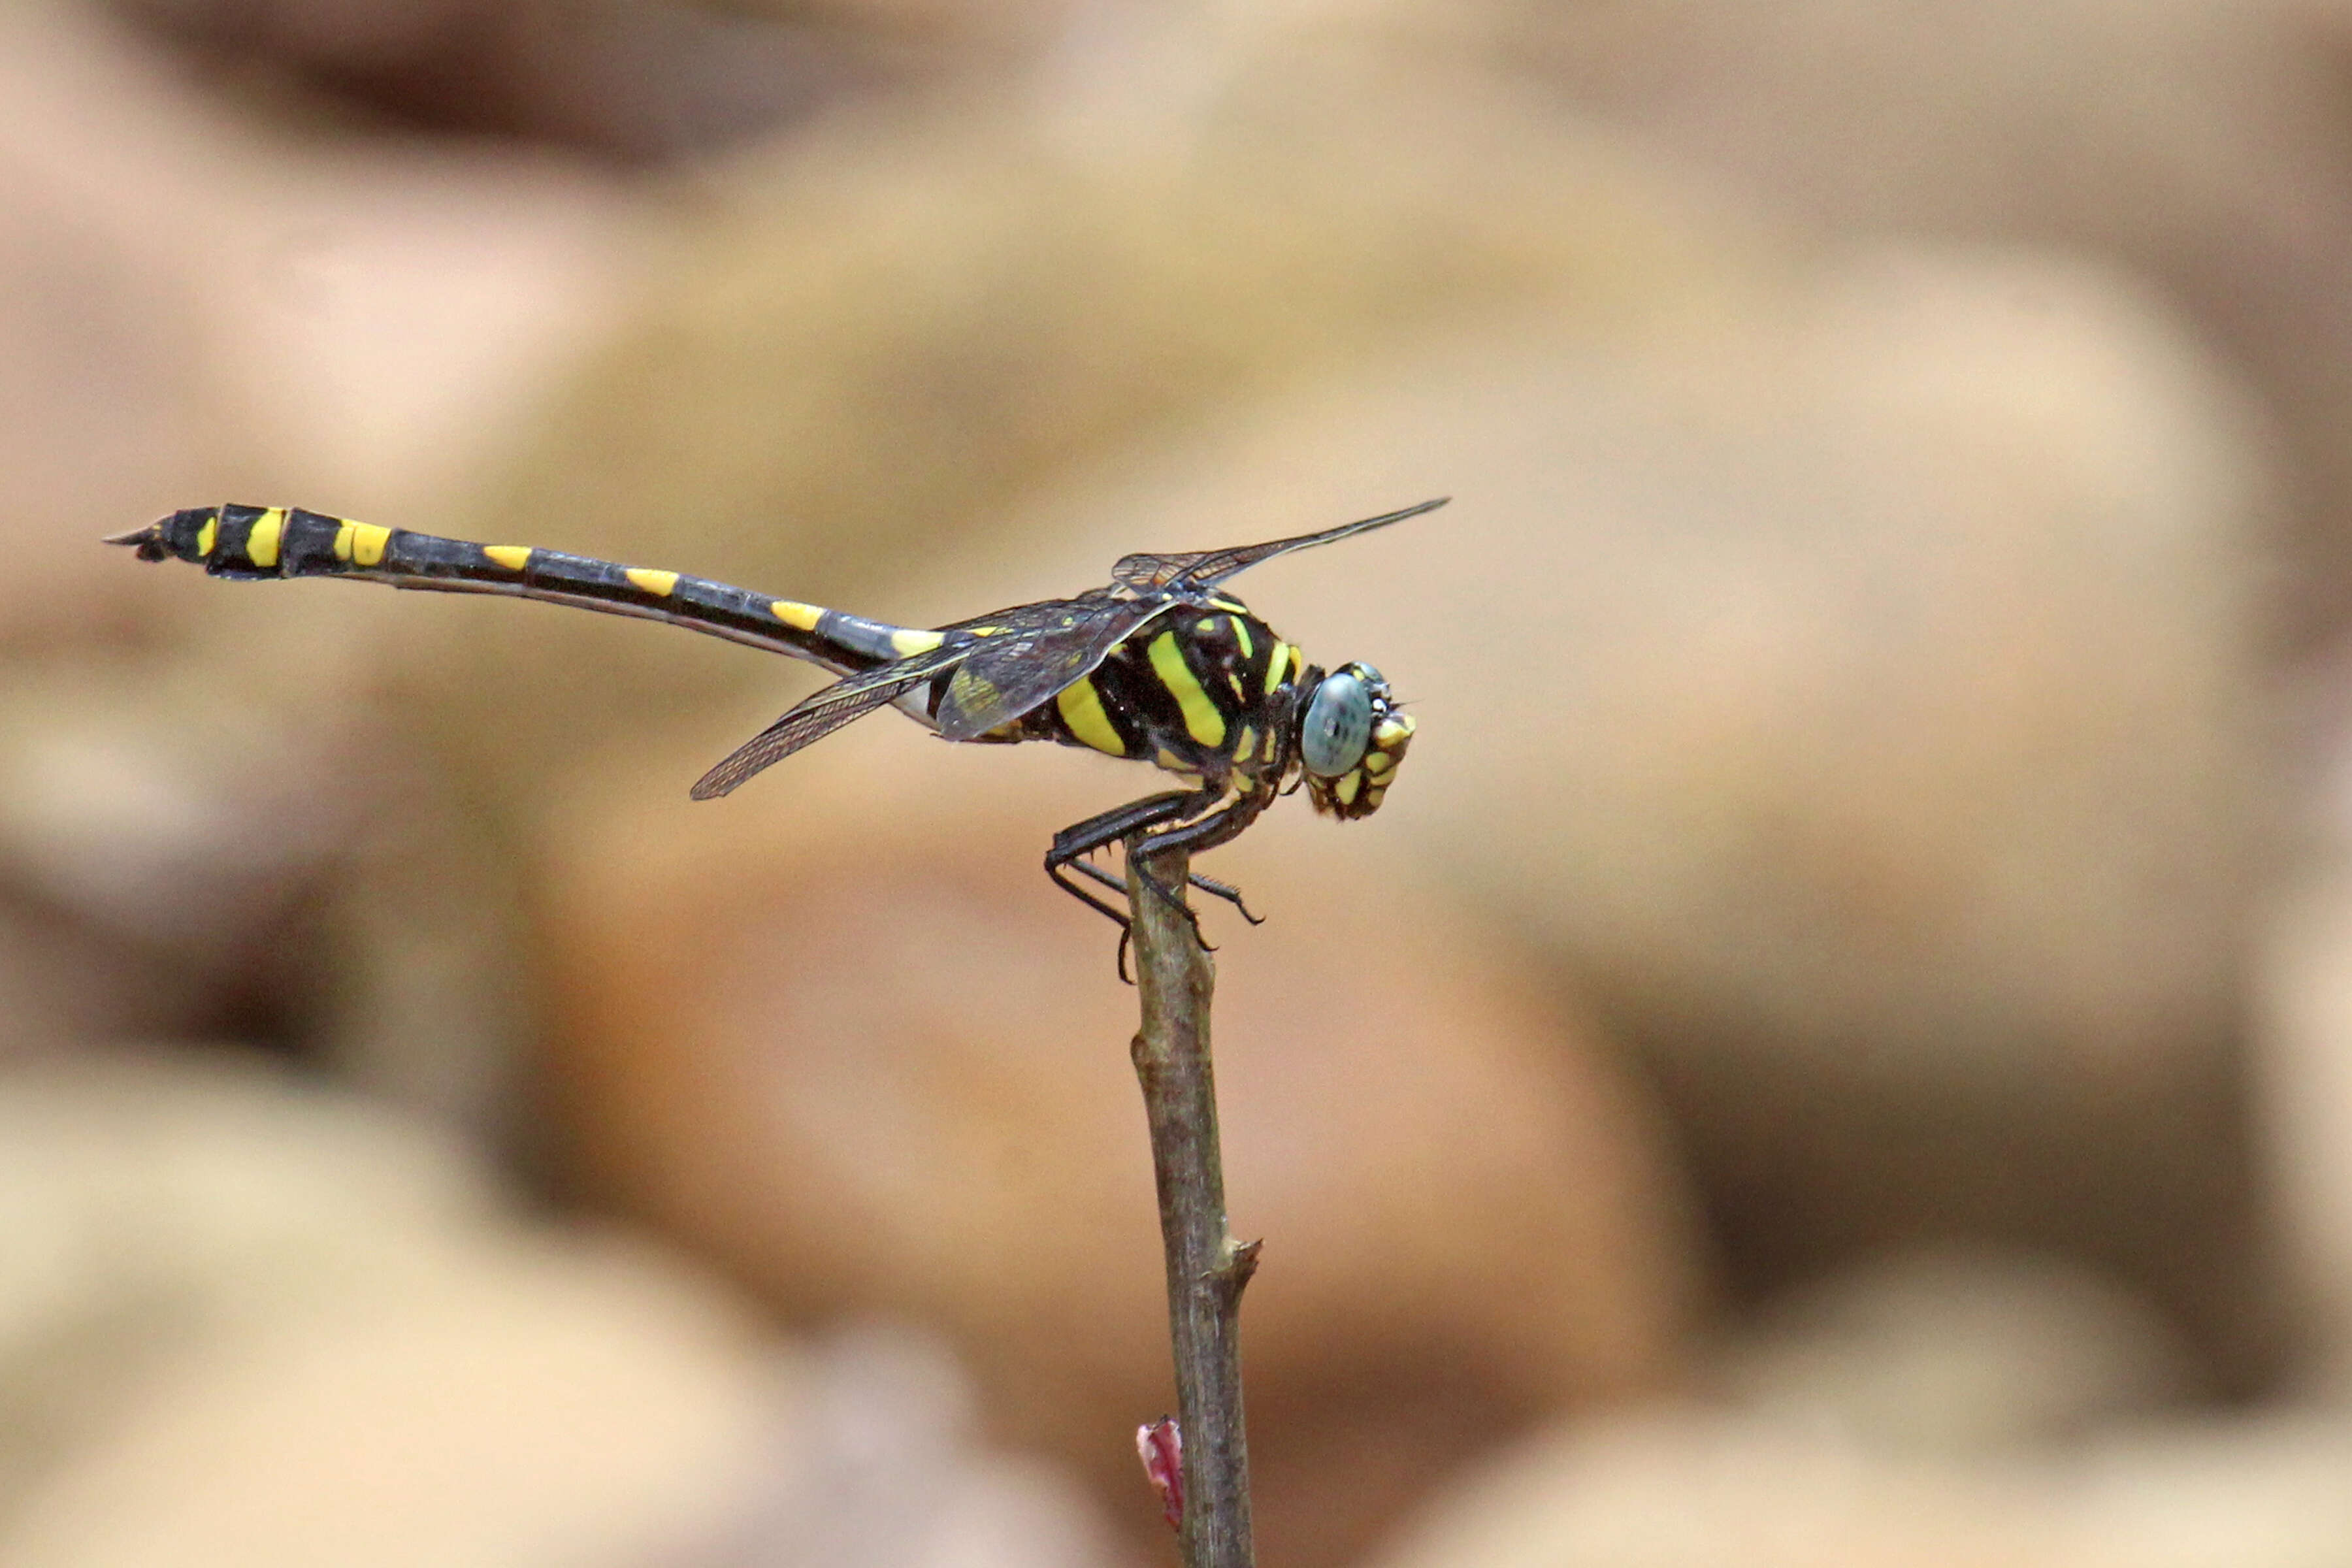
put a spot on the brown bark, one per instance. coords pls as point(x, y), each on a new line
point(1206, 1267)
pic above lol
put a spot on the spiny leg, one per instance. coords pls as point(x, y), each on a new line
point(1208, 885)
point(1083, 838)
point(1193, 836)
point(1228, 892)
point(1205, 832)
point(1074, 843)
point(1167, 894)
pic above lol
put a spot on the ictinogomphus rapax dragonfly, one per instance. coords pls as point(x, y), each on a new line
point(1159, 666)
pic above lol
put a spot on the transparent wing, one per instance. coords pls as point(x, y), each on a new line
point(1024, 665)
point(1201, 568)
point(824, 711)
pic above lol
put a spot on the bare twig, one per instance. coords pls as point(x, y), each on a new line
point(1206, 1268)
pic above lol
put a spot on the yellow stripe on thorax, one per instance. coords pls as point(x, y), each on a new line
point(1276, 663)
point(261, 544)
point(1203, 720)
point(1081, 709)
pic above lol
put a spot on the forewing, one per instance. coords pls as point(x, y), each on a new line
point(824, 711)
point(1012, 672)
point(1202, 568)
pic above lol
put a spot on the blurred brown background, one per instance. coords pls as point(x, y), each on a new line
point(1840, 1049)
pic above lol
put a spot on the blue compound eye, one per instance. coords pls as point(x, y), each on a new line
point(1338, 726)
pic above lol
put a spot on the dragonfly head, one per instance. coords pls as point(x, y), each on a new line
point(1351, 738)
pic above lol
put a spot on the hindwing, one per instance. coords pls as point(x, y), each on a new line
point(823, 713)
point(1015, 671)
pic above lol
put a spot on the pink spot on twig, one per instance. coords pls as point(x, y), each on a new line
point(1161, 1446)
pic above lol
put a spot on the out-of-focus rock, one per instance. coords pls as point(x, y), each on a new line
point(1941, 1350)
point(1685, 1487)
point(556, 1411)
point(347, 323)
point(160, 852)
point(2202, 143)
point(2304, 1073)
point(223, 1290)
point(2259, 1490)
point(2303, 1042)
point(863, 1052)
point(212, 844)
point(645, 82)
point(105, 401)
point(888, 1467)
point(153, 1202)
point(245, 1321)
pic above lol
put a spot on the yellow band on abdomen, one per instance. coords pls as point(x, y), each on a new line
point(361, 544)
point(906, 645)
point(261, 542)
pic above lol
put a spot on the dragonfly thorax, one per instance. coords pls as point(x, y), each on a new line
point(1203, 689)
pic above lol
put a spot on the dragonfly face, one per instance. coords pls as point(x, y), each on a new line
point(1160, 666)
point(1351, 738)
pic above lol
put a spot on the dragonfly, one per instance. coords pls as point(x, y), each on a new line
point(1160, 665)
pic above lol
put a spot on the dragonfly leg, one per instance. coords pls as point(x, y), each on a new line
point(1131, 821)
point(1172, 898)
point(1118, 884)
point(1203, 833)
point(1208, 885)
point(1074, 843)
point(1056, 870)
point(1228, 892)
point(1207, 832)
point(1088, 868)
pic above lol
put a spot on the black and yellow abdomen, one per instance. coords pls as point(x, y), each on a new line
point(264, 542)
point(256, 541)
